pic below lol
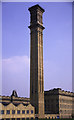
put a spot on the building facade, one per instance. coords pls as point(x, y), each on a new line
point(14, 99)
point(60, 102)
point(14, 107)
point(14, 111)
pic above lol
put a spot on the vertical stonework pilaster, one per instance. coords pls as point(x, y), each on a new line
point(36, 60)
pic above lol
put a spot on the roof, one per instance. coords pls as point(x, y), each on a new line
point(58, 91)
point(15, 104)
point(5, 103)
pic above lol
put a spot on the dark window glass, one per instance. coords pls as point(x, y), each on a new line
point(58, 117)
point(18, 118)
point(23, 118)
point(23, 111)
point(31, 111)
point(36, 118)
point(8, 111)
point(27, 111)
point(18, 111)
point(7, 119)
point(27, 118)
point(2, 111)
point(13, 118)
point(31, 118)
point(13, 111)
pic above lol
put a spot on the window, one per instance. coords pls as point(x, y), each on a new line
point(27, 111)
point(23, 118)
point(18, 118)
point(2, 111)
point(23, 111)
point(31, 111)
point(8, 112)
point(13, 111)
point(13, 118)
point(36, 118)
point(31, 118)
point(27, 118)
point(58, 117)
point(18, 112)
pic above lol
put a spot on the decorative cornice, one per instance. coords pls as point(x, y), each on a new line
point(36, 7)
point(35, 26)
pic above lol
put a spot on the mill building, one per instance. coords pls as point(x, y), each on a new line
point(55, 103)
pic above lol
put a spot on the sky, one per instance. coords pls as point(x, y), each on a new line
point(57, 46)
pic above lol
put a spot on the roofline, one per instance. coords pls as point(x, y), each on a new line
point(36, 7)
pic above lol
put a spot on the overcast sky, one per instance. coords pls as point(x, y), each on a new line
point(57, 47)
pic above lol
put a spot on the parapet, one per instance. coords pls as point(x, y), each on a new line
point(58, 91)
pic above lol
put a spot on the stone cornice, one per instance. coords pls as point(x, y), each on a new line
point(59, 91)
point(31, 9)
point(35, 26)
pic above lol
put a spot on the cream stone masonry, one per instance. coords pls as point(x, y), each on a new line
point(11, 107)
point(9, 99)
point(36, 60)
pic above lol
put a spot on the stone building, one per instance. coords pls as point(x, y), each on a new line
point(54, 103)
point(16, 111)
point(15, 107)
point(60, 102)
point(15, 99)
